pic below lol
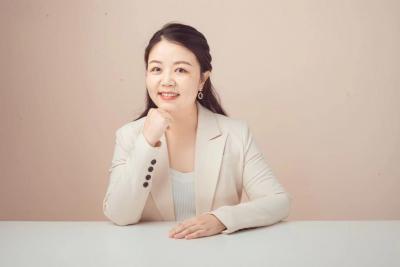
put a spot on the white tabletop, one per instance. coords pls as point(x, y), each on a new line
point(295, 243)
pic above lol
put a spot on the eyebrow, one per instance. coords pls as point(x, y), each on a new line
point(175, 63)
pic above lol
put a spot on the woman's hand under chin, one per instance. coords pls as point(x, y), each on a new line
point(200, 226)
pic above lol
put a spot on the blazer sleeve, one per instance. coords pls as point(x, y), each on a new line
point(268, 201)
point(128, 189)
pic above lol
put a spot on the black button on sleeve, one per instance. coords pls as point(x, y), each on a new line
point(148, 177)
point(153, 162)
point(145, 184)
point(150, 169)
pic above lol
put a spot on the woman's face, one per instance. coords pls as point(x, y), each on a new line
point(173, 68)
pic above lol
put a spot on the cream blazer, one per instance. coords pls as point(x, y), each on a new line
point(227, 162)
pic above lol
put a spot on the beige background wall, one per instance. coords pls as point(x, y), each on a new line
point(318, 82)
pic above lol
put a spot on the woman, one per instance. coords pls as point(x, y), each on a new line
point(183, 159)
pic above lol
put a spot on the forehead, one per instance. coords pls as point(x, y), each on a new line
point(169, 52)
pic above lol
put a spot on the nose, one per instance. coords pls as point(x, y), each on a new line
point(167, 82)
point(167, 79)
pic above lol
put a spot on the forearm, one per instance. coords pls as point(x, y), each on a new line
point(258, 212)
point(125, 200)
point(128, 190)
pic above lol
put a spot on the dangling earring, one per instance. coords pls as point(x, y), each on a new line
point(200, 95)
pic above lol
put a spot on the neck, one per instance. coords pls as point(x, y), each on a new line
point(184, 121)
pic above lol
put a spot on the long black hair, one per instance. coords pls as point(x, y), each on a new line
point(195, 41)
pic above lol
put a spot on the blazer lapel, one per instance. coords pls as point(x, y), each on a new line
point(210, 143)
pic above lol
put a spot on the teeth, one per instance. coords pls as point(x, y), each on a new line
point(169, 94)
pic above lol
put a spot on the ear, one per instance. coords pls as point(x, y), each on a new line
point(205, 76)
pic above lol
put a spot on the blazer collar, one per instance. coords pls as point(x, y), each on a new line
point(209, 147)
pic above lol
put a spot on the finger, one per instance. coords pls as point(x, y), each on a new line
point(175, 229)
point(168, 118)
point(181, 227)
point(166, 114)
point(188, 231)
point(151, 110)
point(196, 234)
point(172, 231)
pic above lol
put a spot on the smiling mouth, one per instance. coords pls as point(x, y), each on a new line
point(168, 94)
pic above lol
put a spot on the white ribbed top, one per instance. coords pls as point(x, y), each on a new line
point(183, 194)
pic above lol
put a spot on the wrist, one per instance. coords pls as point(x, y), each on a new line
point(151, 143)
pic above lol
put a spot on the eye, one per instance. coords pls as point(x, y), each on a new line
point(181, 69)
point(154, 68)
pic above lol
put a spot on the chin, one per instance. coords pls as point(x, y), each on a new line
point(167, 106)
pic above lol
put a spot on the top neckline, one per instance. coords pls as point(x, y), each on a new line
point(181, 173)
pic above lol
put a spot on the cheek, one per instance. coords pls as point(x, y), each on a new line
point(188, 87)
point(151, 85)
point(149, 80)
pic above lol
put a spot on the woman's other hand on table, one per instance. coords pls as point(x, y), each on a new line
point(200, 226)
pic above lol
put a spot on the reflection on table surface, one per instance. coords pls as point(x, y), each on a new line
point(293, 243)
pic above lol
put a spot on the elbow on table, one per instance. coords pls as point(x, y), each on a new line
point(286, 205)
point(118, 219)
point(121, 221)
point(124, 222)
